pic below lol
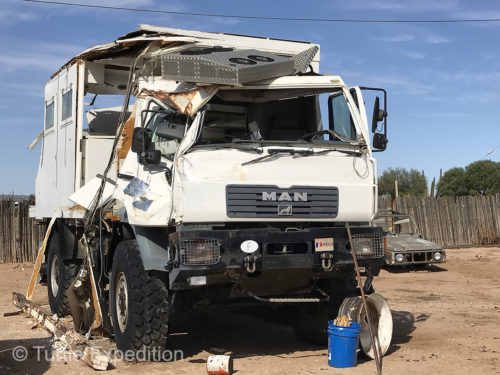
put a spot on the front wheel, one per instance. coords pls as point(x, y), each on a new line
point(139, 305)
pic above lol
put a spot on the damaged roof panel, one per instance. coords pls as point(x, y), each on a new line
point(129, 44)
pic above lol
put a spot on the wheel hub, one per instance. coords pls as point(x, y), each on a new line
point(54, 276)
point(121, 298)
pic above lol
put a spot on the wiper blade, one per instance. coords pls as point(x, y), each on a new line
point(236, 146)
point(348, 152)
point(276, 152)
point(314, 135)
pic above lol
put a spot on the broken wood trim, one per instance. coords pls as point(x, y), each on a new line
point(92, 356)
point(39, 257)
point(188, 102)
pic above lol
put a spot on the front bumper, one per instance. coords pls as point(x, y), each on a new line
point(279, 251)
point(414, 257)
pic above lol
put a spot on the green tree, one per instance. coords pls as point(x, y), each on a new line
point(452, 183)
point(478, 178)
point(483, 177)
point(410, 182)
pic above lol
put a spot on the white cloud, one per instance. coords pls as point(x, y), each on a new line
point(421, 6)
point(20, 88)
point(394, 82)
point(118, 3)
point(12, 16)
point(43, 56)
point(414, 55)
point(396, 38)
point(437, 39)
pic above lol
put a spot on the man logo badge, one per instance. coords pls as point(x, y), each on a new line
point(285, 210)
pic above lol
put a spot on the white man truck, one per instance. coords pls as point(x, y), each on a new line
point(227, 177)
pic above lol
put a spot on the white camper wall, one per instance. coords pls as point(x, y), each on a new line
point(57, 173)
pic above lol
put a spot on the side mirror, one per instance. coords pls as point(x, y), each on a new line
point(150, 157)
point(141, 144)
point(141, 140)
point(378, 114)
point(380, 141)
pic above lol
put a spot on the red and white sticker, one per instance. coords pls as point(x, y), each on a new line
point(323, 244)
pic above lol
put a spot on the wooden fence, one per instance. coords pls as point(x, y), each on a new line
point(19, 234)
point(461, 221)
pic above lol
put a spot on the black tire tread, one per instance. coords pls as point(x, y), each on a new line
point(147, 325)
point(68, 270)
point(69, 275)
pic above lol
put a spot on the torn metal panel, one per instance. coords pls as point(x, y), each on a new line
point(273, 45)
point(127, 46)
point(224, 65)
point(186, 102)
point(303, 60)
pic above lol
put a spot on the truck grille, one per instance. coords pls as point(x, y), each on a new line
point(267, 201)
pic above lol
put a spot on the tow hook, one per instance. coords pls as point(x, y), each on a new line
point(250, 261)
point(326, 261)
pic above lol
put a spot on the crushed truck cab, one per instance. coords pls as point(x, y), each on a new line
point(226, 177)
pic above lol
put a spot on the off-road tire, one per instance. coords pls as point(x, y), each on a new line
point(146, 326)
point(66, 273)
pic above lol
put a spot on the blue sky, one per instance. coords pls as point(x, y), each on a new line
point(443, 80)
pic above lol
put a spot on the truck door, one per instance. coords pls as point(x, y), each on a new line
point(358, 98)
point(57, 171)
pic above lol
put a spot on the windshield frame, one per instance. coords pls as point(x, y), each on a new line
point(359, 125)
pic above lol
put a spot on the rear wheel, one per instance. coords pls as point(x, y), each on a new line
point(139, 305)
point(60, 275)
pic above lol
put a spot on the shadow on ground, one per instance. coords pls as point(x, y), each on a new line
point(18, 356)
point(415, 268)
point(403, 326)
point(240, 334)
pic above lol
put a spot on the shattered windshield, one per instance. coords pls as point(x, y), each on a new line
point(278, 116)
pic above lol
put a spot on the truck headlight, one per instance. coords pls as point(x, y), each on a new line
point(368, 245)
point(362, 246)
point(199, 251)
point(437, 256)
point(400, 258)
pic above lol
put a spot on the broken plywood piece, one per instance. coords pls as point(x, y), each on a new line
point(125, 140)
point(186, 102)
point(39, 257)
point(76, 343)
point(85, 196)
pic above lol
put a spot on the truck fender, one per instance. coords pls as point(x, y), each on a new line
point(66, 238)
point(153, 245)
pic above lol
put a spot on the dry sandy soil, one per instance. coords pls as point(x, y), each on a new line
point(446, 321)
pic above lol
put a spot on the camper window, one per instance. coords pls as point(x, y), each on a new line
point(49, 116)
point(67, 104)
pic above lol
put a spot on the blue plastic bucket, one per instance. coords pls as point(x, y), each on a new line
point(342, 345)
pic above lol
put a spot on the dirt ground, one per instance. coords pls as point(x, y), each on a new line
point(446, 321)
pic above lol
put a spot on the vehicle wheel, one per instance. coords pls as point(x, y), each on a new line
point(60, 275)
point(311, 320)
point(139, 305)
